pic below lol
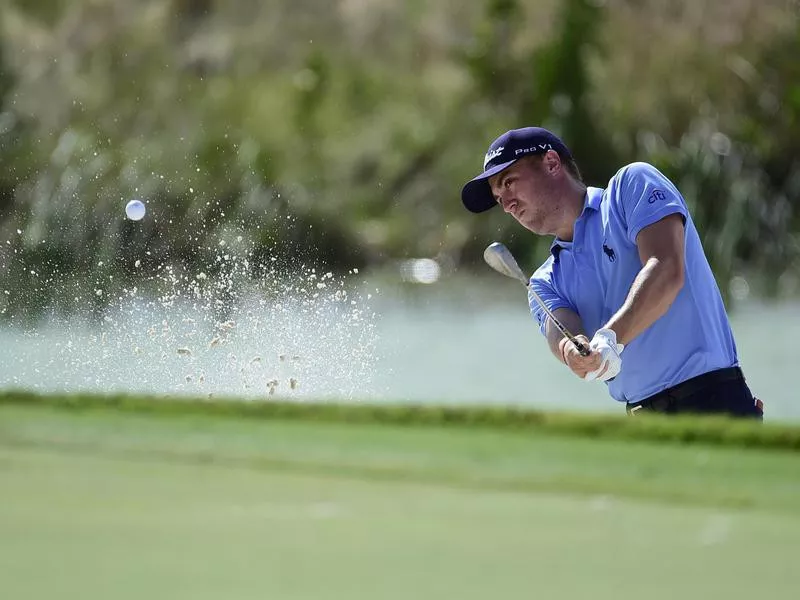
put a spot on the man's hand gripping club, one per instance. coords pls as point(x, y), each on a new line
point(603, 363)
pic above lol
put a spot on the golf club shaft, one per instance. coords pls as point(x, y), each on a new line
point(582, 349)
point(501, 260)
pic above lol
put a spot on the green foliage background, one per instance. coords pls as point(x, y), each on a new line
point(344, 130)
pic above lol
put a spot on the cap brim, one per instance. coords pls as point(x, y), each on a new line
point(476, 195)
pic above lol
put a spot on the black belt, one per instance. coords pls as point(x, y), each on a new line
point(661, 401)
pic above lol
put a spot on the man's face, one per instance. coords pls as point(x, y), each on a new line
point(526, 191)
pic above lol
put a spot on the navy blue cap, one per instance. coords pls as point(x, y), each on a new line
point(504, 152)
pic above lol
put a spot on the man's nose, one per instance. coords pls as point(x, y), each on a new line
point(506, 200)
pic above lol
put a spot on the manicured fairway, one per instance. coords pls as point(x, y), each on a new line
point(100, 504)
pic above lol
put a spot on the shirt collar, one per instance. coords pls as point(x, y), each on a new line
point(592, 200)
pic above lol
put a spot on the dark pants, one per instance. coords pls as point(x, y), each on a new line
point(723, 392)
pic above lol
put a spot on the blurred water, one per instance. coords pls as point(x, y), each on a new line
point(462, 341)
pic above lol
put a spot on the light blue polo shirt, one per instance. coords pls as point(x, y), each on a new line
point(592, 276)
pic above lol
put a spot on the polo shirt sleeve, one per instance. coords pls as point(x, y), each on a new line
point(647, 196)
point(543, 283)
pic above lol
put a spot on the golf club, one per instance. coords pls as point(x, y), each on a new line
point(501, 260)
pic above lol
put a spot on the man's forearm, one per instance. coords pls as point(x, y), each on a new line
point(570, 320)
point(652, 293)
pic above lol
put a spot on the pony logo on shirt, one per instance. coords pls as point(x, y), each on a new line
point(609, 252)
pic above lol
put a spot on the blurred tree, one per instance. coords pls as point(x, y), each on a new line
point(7, 137)
point(45, 11)
point(192, 10)
point(561, 85)
point(494, 69)
point(359, 122)
point(740, 171)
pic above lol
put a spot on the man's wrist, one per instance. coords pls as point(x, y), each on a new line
point(562, 350)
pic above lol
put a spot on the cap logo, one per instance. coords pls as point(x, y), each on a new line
point(492, 154)
point(536, 148)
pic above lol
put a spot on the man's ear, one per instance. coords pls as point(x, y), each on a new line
point(552, 162)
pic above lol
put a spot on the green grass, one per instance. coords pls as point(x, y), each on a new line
point(116, 504)
point(739, 433)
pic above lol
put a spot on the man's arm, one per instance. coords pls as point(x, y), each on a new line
point(564, 350)
point(661, 250)
point(571, 321)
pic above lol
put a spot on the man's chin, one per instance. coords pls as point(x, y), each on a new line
point(532, 227)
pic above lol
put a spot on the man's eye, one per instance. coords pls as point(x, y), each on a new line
point(507, 183)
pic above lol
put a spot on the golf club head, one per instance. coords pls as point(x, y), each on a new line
point(501, 260)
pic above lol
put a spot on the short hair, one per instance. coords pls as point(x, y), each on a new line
point(572, 167)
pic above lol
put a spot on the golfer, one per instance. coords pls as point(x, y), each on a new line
point(626, 273)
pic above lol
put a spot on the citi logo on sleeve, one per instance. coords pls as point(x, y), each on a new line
point(656, 195)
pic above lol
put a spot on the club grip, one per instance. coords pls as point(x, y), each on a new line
point(582, 349)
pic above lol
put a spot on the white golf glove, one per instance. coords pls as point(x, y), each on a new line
point(605, 342)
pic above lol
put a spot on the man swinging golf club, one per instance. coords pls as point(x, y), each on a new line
point(626, 275)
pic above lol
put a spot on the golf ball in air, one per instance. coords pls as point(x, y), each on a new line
point(135, 210)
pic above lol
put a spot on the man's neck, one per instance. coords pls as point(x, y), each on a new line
point(573, 201)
